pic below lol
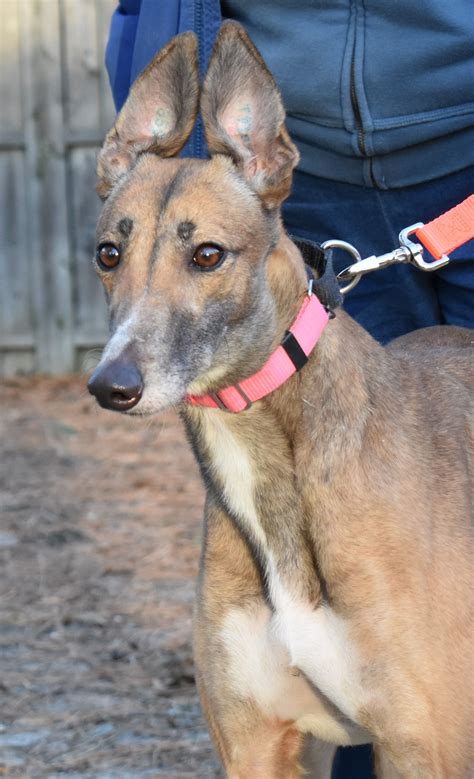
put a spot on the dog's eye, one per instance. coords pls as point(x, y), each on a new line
point(208, 256)
point(108, 256)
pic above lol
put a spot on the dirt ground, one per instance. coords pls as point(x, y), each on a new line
point(99, 546)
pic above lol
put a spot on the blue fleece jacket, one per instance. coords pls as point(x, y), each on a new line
point(378, 92)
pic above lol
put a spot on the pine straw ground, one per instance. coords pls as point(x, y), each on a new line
point(99, 548)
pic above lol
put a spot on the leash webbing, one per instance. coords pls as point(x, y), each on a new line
point(450, 230)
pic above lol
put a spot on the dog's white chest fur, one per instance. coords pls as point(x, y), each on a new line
point(234, 473)
point(316, 642)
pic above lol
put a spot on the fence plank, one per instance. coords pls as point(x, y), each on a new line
point(10, 82)
point(90, 310)
point(15, 303)
point(16, 319)
point(107, 108)
point(46, 159)
point(15, 362)
point(81, 60)
point(59, 107)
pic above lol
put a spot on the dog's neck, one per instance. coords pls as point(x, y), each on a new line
point(288, 281)
point(256, 460)
point(347, 371)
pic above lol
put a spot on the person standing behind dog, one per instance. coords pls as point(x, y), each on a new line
point(380, 102)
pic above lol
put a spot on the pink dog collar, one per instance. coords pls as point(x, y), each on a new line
point(289, 357)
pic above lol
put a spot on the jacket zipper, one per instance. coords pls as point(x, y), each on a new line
point(356, 109)
point(358, 119)
point(198, 26)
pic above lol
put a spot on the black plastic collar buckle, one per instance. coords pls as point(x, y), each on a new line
point(326, 286)
point(294, 350)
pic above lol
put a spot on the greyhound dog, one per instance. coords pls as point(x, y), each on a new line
point(333, 596)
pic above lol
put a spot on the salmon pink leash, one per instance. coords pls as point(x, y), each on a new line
point(450, 230)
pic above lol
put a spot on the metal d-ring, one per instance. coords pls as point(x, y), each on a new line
point(334, 243)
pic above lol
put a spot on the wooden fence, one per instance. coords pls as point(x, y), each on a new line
point(55, 107)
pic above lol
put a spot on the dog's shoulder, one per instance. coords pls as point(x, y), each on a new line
point(441, 355)
point(438, 337)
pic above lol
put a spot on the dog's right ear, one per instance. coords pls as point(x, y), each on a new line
point(159, 114)
point(244, 118)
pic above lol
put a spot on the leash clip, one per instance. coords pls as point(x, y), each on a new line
point(407, 252)
point(416, 250)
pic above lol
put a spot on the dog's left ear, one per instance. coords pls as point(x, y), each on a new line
point(159, 113)
point(243, 116)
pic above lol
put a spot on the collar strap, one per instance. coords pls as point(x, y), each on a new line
point(289, 357)
point(320, 261)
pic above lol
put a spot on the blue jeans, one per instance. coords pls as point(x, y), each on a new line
point(389, 302)
point(396, 300)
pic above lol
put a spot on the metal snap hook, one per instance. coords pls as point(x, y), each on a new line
point(416, 250)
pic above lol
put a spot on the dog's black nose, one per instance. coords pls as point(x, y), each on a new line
point(117, 385)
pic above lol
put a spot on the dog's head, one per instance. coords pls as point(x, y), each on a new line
point(182, 244)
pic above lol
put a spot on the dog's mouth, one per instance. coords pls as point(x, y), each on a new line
point(121, 401)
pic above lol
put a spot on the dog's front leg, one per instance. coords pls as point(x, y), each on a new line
point(242, 675)
point(414, 761)
point(384, 768)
